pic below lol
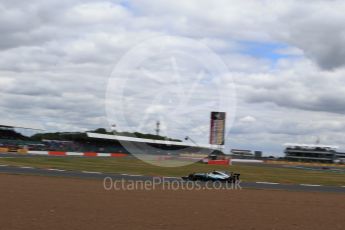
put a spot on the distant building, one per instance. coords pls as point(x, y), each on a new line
point(217, 155)
point(258, 154)
point(241, 154)
point(311, 153)
point(340, 157)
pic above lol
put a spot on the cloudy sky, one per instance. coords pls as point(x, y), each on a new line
point(285, 61)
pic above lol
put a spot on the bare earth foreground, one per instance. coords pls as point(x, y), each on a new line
point(35, 202)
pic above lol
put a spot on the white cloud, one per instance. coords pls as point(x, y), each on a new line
point(247, 119)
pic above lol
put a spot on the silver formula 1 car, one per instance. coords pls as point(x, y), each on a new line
point(214, 176)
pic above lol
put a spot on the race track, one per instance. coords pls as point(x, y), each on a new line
point(6, 169)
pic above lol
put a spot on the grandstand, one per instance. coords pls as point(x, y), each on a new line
point(81, 142)
point(310, 153)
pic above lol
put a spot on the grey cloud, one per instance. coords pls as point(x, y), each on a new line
point(304, 98)
point(316, 28)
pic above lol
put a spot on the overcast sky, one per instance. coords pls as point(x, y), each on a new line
point(285, 58)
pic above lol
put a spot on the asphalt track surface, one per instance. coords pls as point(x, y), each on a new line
point(22, 170)
point(65, 203)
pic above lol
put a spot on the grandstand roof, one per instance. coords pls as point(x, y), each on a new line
point(9, 124)
point(310, 145)
point(151, 141)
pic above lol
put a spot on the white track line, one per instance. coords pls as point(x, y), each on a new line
point(264, 182)
point(57, 170)
point(26, 167)
point(310, 185)
point(135, 175)
point(3, 165)
point(91, 172)
point(171, 177)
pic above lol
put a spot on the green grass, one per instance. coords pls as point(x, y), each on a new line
point(135, 166)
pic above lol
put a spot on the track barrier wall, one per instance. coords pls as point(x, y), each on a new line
point(219, 162)
point(85, 154)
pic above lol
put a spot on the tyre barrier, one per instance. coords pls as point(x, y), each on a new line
point(3, 150)
point(13, 150)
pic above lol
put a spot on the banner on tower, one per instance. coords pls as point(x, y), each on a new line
point(217, 128)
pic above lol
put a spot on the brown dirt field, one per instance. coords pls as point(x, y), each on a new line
point(35, 202)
